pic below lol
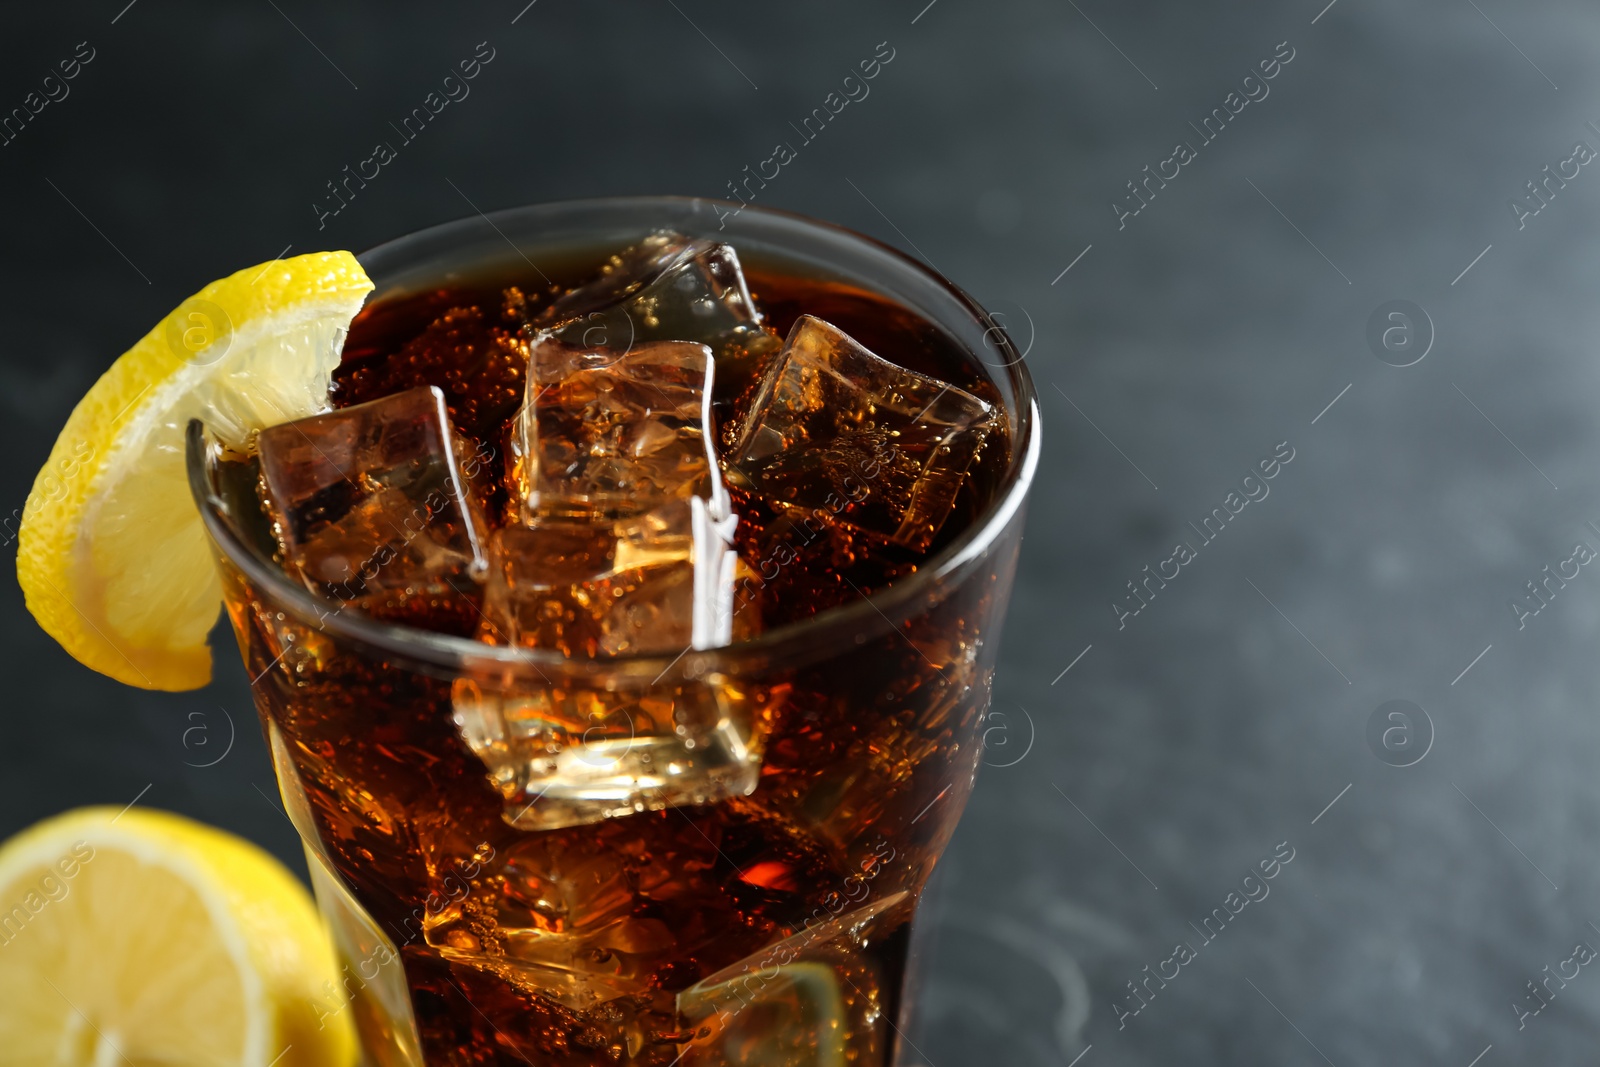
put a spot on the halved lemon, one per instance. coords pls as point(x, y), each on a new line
point(112, 557)
point(145, 938)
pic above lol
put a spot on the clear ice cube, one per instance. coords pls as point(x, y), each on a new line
point(562, 922)
point(815, 997)
point(603, 434)
point(667, 288)
point(539, 589)
point(569, 753)
point(370, 504)
point(661, 581)
point(697, 598)
point(564, 755)
point(836, 430)
point(624, 274)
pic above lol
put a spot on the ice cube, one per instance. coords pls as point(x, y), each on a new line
point(370, 505)
point(666, 288)
point(624, 274)
point(662, 581)
point(694, 601)
point(839, 432)
point(603, 434)
point(538, 591)
point(701, 296)
point(818, 996)
point(565, 755)
point(573, 752)
point(671, 288)
point(560, 921)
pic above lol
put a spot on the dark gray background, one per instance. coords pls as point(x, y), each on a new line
point(1177, 752)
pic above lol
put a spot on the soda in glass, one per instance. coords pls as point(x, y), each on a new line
point(623, 631)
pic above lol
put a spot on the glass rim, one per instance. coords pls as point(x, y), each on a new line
point(884, 606)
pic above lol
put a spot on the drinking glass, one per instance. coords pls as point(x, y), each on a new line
point(645, 859)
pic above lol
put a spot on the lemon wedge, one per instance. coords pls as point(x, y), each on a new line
point(112, 557)
point(145, 938)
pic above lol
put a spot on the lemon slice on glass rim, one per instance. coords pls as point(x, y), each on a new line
point(139, 937)
point(112, 557)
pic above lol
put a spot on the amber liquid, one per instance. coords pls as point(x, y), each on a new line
point(576, 946)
